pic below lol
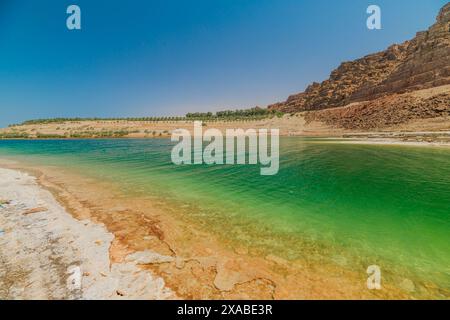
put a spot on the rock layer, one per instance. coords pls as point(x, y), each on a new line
point(388, 111)
point(421, 63)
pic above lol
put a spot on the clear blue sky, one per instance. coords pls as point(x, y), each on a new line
point(143, 57)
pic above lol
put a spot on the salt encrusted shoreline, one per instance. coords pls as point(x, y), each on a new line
point(387, 141)
point(44, 250)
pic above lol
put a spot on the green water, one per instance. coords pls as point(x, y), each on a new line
point(354, 205)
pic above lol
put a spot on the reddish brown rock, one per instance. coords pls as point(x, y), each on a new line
point(384, 112)
point(421, 63)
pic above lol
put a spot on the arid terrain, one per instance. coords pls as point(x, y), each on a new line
point(419, 116)
point(402, 92)
point(420, 63)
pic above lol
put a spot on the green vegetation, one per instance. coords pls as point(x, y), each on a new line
point(233, 115)
point(87, 131)
point(68, 135)
point(99, 134)
point(61, 120)
point(14, 135)
point(48, 136)
point(256, 113)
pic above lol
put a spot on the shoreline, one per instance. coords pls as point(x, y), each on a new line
point(328, 138)
point(45, 253)
point(389, 142)
point(435, 129)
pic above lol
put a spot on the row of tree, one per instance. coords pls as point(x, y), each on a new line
point(246, 114)
point(256, 112)
point(60, 120)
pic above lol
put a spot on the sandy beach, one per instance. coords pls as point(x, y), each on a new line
point(47, 254)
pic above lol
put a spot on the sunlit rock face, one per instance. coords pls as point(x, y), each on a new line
point(421, 63)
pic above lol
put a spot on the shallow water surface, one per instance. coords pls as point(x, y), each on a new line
point(355, 205)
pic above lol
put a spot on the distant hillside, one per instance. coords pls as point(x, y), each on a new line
point(404, 90)
point(421, 63)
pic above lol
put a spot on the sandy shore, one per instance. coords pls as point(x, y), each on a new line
point(388, 141)
point(47, 254)
point(434, 129)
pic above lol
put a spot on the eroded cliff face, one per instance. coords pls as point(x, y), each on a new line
point(389, 111)
point(421, 63)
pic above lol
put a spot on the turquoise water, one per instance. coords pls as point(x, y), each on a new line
point(356, 205)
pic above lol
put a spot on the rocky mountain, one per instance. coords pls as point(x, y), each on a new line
point(421, 63)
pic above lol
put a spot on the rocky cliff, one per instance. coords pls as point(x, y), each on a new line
point(386, 112)
point(421, 63)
